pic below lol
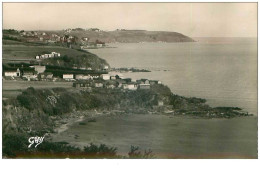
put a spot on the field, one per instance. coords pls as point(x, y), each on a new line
point(13, 50)
point(13, 88)
point(176, 137)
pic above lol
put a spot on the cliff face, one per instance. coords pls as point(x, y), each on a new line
point(131, 36)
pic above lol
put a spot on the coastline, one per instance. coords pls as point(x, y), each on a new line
point(152, 125)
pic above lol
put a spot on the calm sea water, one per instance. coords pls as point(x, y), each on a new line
point(169, 137)
point(221, 70)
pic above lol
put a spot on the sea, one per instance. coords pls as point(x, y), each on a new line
point(221, 70)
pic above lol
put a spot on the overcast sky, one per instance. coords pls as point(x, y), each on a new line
point(192, 19)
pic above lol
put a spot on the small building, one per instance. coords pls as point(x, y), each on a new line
point(94, 76)
point(99, 45)
point(143, 81)
point(82, 77)
point(113, 77)
point(46, 75)
point(46, 56)
point(67, 76)
point(152, 82)
point(105, 76)
point(54, 54)
point(132, 86)
point(144, 86)
point(105, 67)
point(37, 57)
point(13, 73)
point(81, 84)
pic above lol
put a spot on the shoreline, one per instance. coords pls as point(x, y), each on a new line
point(62, 125)
point(80, 135)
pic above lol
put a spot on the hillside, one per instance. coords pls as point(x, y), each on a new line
point(128, 36)
point(26, 52)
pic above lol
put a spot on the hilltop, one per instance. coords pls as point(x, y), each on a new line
point(127, 36)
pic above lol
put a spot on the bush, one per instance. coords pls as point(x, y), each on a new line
point(136, 154)
point(101, 151)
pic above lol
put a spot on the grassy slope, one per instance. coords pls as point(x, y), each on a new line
point(19, 50)
point(12, 88)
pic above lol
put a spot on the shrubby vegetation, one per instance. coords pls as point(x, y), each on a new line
point(16, 146)
point(7, 37)
point(32, 111)
point(86, 60)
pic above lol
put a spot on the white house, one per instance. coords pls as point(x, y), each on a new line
point(94, 76)
point(67, 76)
point(82, 77)
point(132, 86)
point(105, 76)
point(11, 73)
point(144, 86)
point(112, 77)
point(37, 57)
point(99, 45)
point(105, 67)
point(129, 86)
point(14, 73)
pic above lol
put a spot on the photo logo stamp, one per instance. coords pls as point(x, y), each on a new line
point(35, 140)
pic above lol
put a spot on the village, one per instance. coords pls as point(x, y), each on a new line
point(84, 78)
point(65, 38)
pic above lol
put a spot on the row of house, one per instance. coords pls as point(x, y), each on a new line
point(33, 36)
point(87, 45)
point(90, 76)
point(32, 72)
point(38, 71)
point(46, 56)
point(125, 84)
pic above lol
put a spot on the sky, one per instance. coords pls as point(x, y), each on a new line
point(191, 19)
